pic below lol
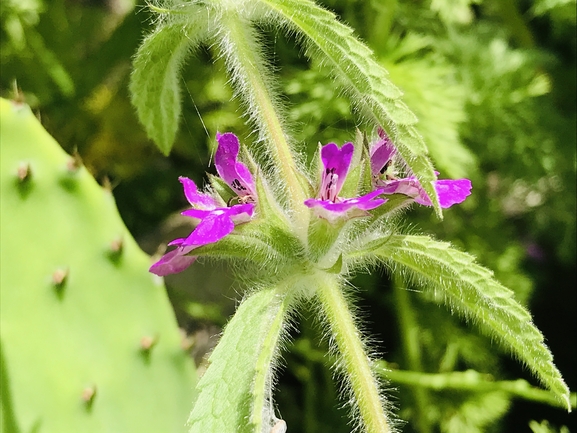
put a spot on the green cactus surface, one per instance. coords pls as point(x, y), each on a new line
point(89, 341)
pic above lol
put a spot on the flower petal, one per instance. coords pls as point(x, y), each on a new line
point(194, 197)
point(336, 164)
point(452, 192)
point(178, 242)
point(382, 152)
point(235, 212)
point(409, 186)
point(449, 191)
point(198, 213)
point(241, 213)
point(173, 262)
point(347, 208)
point(233, 172)
point(210, 229)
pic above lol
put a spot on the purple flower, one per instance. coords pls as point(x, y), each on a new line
point(233, 172)
point(449, 191)
point(382, 152)
point(215, 221)
point(329, 205)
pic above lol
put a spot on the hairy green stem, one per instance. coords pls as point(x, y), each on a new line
point(355, 361)
point(472, 381)
point(248, 70)
point(409, 333)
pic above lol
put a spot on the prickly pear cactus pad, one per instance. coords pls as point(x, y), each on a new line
point(89, 342)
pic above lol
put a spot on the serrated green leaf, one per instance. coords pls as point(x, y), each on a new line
point(471, 290)
point(154, 84)
point(233, 391)
point(363, 77)
point(336, 42)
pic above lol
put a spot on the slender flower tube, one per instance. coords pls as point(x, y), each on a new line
point(382, 153)
point(336, 162)
point(215, 222)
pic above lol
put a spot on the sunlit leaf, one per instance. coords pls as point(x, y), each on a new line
point(233, 391)
point(472, 291)
point(155, 81)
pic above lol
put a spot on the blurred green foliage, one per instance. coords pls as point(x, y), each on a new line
point(493, 84)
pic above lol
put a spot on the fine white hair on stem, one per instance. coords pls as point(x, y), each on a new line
point(342, 366)
point(238, 39)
